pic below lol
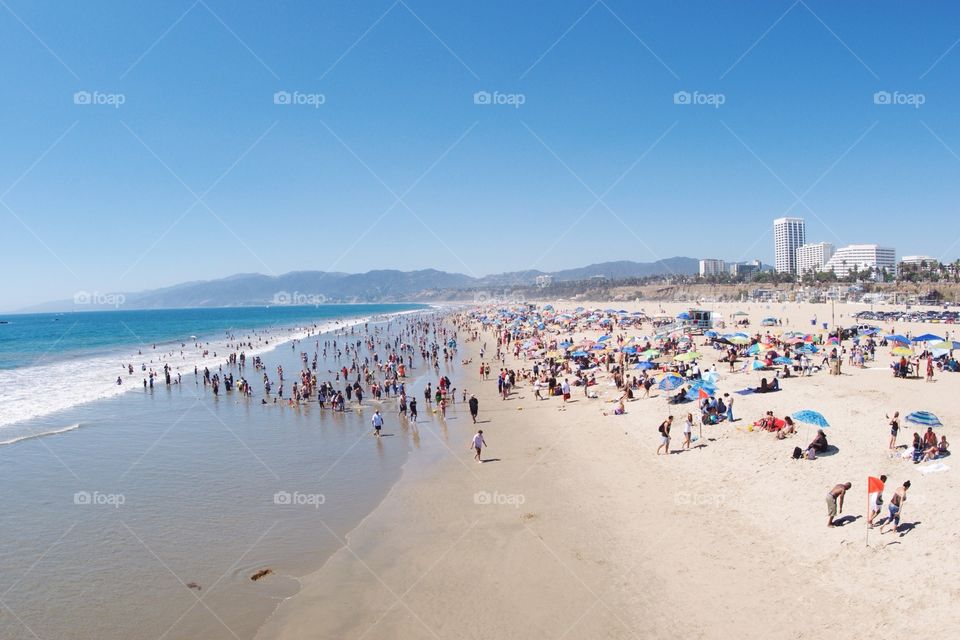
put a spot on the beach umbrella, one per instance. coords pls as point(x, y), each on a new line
point(808, 416)
point(756, 365)
point(629, 350)
point(902, 351)
point(688, 356)
point(670, 382)
point(741, 313)
point(645, 365)
point(579, 354)
point(945, 344)
point(738, 340)
point(927, 337)
point(924, 419)
point(683, 316)
point(783, 360)
point(710, 334)
point(712, 377)
point(753, 350)
point(897, 338)
point(650, 353)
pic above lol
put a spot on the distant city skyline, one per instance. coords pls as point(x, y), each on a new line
point(149, 144)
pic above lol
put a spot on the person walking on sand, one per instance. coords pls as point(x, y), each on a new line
point(687, 431)
point(474, 407)
point(665, 436)
point(565, 388)
point(377, 421)
point(875, 501)
point(894, 429)
point(835, 501)
point(413, 409)
point(896, 507)
point(477, 443)
point(929, 369)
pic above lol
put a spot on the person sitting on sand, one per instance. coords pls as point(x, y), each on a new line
point(766, 387)
point(817, 445)
point(917, 447)
point(788, 428)
point(943, 446)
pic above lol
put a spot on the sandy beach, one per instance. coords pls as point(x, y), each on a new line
point(573, 528)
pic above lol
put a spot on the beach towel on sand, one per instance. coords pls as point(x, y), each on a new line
point(934, 468)
point(744, 392)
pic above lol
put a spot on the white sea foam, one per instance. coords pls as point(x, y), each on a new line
point(44, 389)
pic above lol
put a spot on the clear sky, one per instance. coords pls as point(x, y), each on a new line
point(382, 157)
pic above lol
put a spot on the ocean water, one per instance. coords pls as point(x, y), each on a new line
point(144, 514)
point(53, 361)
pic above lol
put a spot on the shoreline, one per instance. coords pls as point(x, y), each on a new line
point(280, 335)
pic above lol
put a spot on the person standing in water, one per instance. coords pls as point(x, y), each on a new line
point(377, 421)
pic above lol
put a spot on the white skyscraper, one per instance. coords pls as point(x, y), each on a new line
point(813, 257)
point(788, 235)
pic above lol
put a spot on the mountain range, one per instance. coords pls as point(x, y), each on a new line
point(385, 285)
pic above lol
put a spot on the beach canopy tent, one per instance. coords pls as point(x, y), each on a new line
point(924, 419)
point(808, 416)
point(945, 345)
point(897, 338)
point(927, 337)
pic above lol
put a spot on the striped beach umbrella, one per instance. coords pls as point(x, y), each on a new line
point(924, 419)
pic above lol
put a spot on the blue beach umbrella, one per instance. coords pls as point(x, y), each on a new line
point(756, 365)
point(927, 337)
point(897, 338)
point(924, 419)
point(783, 360)
point(579, 354)
point(643, 366)
point(670, 382)
point(808, 416)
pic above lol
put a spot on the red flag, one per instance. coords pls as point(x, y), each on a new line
point(874, 485)
point(702, 394)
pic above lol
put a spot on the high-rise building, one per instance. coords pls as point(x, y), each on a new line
point(711, 267)
point(745, 268)
point(862, 257)
point(814, 257)
point(788, 235)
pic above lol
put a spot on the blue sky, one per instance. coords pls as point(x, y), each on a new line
point(200, 174)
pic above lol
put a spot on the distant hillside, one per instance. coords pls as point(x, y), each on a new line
point(385, 285)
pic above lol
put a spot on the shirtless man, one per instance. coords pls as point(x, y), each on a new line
point(896, 506)
point(835, 500)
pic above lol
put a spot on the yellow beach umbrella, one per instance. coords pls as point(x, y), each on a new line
point(902, 351)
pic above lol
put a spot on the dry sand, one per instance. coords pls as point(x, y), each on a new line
point(588, 534)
